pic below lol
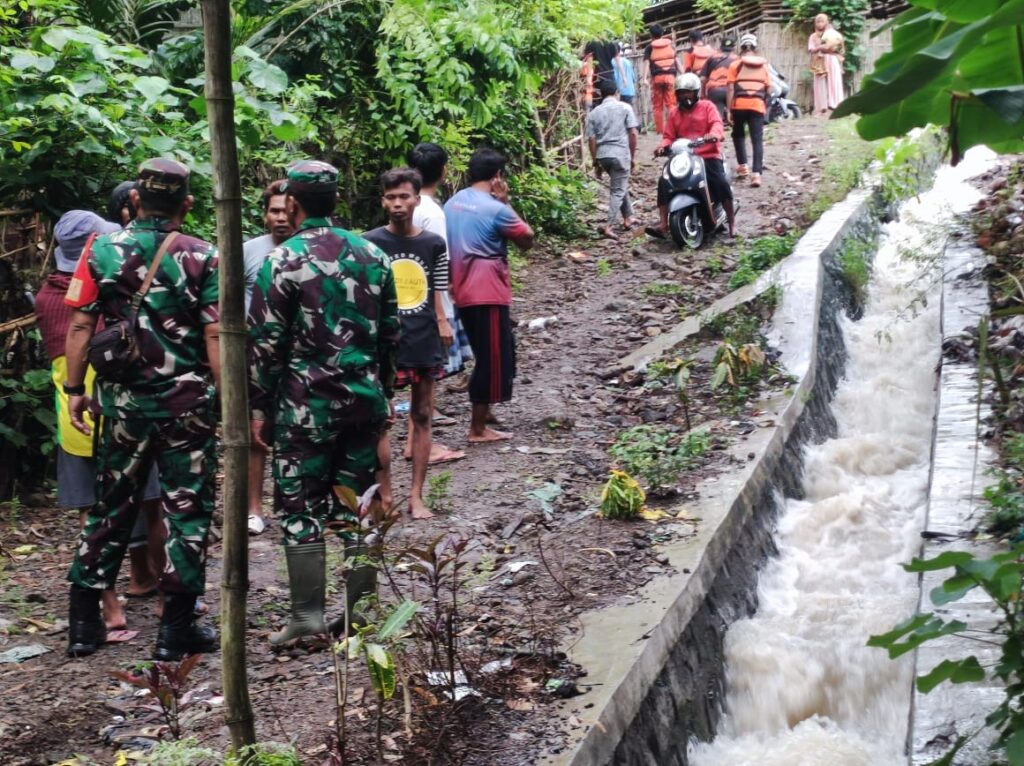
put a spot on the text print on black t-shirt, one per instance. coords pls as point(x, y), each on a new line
point(411, 282)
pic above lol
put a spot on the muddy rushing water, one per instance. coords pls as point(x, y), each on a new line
point(803, 689)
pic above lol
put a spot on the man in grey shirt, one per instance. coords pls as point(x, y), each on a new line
point(255, 251)
point(611, 133)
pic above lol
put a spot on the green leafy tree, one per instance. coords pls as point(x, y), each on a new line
point(79, 111)
point(953, 63)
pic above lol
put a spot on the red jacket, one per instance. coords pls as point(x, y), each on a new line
point(695, 123)
point(53, 316)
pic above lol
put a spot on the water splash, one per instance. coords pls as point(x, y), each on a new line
point(803, 688)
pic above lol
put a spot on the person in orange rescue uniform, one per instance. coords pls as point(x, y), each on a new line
point(748, 102)
point(661, 64)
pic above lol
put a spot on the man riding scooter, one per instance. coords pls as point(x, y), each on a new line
point(695, 118)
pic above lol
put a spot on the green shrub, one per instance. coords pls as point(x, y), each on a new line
point(658, 455)
point(551, 202)
point(28, 426)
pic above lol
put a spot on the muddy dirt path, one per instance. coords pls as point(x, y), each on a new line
point(529, 500)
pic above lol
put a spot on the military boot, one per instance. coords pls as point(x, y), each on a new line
point(179, 635)
point(307, 581)
point(86, 630)
point(360, 580)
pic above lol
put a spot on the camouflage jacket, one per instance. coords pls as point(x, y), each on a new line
point(323, 330)
point(171, 377)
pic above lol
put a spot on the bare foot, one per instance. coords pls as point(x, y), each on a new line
point(418, 509)
point(492, 419)
point(489, 435)
point(113, 612)
point(387, 500)
point(442, 454)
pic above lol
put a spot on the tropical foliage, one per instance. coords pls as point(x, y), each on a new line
point(953, 63)
point(79, 111)
point(89, 87)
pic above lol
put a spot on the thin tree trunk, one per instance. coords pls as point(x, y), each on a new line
point(227, 198)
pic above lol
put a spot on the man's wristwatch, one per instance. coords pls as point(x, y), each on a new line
point(78, 390)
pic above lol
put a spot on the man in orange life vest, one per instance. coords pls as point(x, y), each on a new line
point(661, 67)
point(698, 55)
point(748, 102)
point(715, 78)
point(695, 118)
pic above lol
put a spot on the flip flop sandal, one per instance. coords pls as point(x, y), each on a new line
point(444, 420)
point(652, 231)
point(448, 456)
point(120, 636)
point(607, 233)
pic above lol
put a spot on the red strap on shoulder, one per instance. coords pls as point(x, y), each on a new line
point(83, 289)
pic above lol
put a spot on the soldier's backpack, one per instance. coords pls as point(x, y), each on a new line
point(113, 350)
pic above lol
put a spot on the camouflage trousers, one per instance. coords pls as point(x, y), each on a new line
point(308, 464)
point(184, 451)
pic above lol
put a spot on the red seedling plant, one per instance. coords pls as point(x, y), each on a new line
point(165, 681)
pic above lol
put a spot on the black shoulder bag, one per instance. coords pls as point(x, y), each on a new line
point(113, 351)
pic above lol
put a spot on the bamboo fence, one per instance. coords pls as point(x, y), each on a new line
point(26, 252)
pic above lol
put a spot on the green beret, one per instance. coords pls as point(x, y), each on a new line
point(310, 176)
point(162, 177)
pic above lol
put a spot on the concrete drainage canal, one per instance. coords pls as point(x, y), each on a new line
point(759, 656)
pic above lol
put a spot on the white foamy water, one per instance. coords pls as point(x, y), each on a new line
point(802, 687)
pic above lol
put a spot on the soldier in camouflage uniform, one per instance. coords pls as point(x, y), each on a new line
point(160, 412)
point(324, 332)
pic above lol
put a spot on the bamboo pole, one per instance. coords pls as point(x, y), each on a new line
point(227, 197)
point(15, 324)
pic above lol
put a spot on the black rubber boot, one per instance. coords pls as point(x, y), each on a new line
point(307, 581)
point(179, 635)
point(360, 581)
point(86, 630)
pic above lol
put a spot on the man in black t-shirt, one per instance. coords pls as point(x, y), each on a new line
point(419, 262)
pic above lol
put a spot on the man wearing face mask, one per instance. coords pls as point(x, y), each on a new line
point(695, 118)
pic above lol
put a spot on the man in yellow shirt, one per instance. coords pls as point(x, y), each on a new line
point(76, 468)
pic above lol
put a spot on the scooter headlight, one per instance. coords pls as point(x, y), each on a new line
point(681, 165)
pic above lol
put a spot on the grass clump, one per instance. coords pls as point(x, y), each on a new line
point(622, 497)
point(1006, 496)
point(848, 155)
point(182, 752)
point(663, 289)
point(439, 488)
point(855, 266)
point(760, 254)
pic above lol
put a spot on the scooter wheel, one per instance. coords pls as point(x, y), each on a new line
point(792, 112)
point(687, 227)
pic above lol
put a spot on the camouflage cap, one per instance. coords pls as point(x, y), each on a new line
point(311, 176)
point(162, 177)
